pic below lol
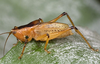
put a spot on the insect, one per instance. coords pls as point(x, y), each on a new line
point(44, 31)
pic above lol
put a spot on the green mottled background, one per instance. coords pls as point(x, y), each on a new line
point(85, 13)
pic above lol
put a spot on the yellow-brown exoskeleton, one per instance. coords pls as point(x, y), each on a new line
point(44, 31)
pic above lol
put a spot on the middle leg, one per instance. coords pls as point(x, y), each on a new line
point(47, 40)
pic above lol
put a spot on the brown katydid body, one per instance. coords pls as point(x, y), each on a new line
point(40, 29)
point(44, 31)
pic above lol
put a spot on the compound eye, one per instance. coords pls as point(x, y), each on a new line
point(14, 32)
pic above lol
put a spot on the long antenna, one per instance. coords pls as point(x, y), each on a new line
point(6, 42)
point(4, 33)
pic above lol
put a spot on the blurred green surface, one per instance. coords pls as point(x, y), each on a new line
point(85, 13)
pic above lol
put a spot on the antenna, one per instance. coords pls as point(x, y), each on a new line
point(5, 41)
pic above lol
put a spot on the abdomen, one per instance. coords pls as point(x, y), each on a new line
point(52, 28)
